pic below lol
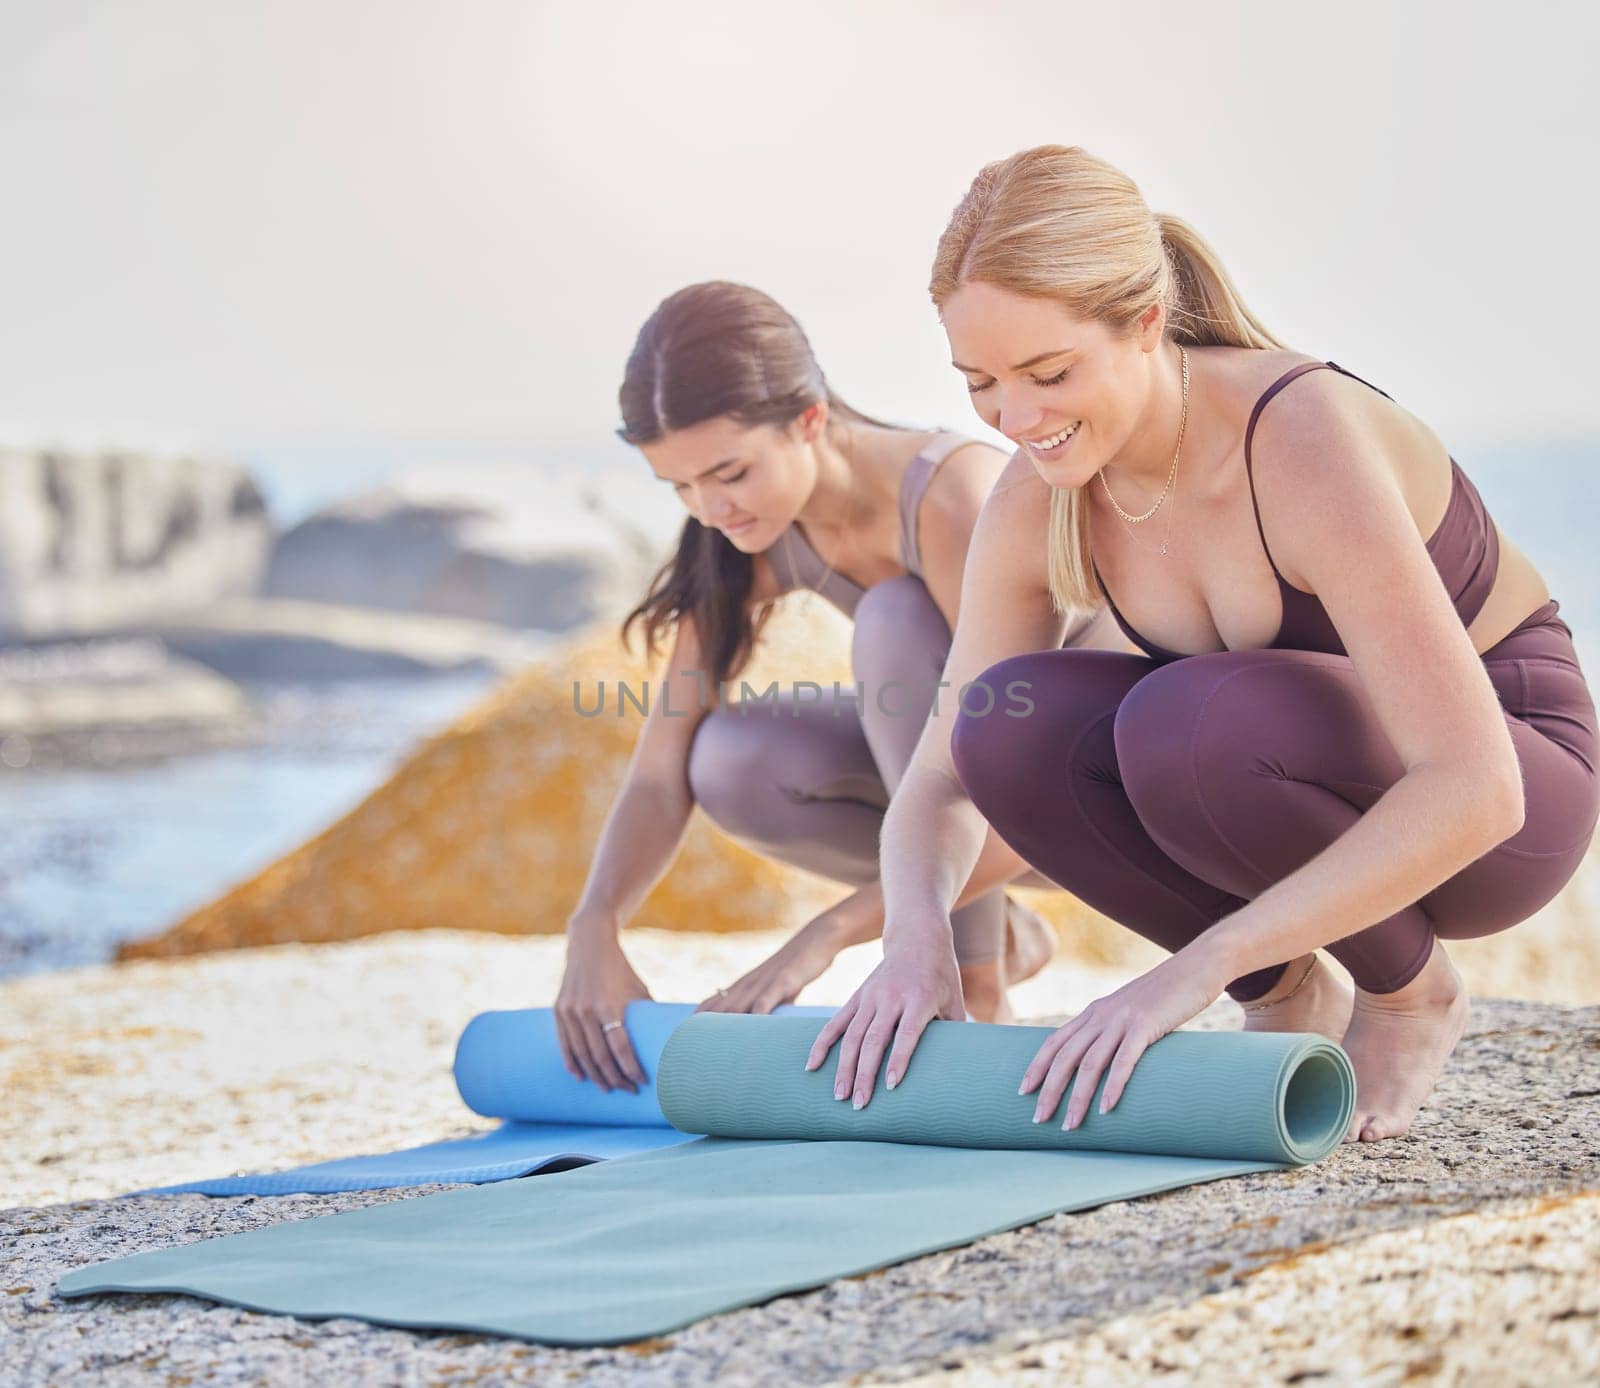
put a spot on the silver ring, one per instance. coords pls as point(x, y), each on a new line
point(609, 1025)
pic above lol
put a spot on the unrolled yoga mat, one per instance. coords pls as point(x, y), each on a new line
point(790, 1190)
point(508, 1065)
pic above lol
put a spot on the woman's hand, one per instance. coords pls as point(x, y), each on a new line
point(1114, 1031)
point(917, 981)
point(778, 979)
point(596, 988)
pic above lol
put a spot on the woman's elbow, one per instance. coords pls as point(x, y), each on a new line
point(1503, 800)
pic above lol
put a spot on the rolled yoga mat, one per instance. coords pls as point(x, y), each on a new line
point(507, 1065)
point(790, 1189)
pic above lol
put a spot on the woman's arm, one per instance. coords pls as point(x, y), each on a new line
point(933, 834)
point(1338, 521)
point(947, 519)
point(1341, 528)
point(640, 838)
point(859, 917)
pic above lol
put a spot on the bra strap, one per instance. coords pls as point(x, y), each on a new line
point(919, 472)
point(1293, 374)
point(1352, 375)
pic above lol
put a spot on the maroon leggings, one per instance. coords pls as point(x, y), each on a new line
point(1167, 795)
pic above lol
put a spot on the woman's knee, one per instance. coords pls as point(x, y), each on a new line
point(1023, 721)
point(1205, 740)
point(728, 766)
point(899, 631)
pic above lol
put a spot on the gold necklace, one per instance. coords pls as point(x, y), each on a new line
point(1183, 423)
point(1172, 518)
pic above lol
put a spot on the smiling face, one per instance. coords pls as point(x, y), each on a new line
point(1070, 390)
point(748, 481)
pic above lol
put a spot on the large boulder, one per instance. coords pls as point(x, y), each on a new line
point(546, 547)
point(95, 542)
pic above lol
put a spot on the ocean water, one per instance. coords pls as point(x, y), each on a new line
point(91, 857)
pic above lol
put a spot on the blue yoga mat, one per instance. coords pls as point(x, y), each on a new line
point(789, 1189)
point(508, 1065)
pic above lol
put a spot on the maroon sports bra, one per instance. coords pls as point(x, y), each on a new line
point(1465, 549)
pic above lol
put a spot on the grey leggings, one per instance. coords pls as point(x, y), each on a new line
point(807, 780)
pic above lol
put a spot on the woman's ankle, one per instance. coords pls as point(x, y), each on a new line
point(983, 986)
point(1435, 985)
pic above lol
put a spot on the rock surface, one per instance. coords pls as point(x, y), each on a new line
point(1464, 1253)
point(93, 542)
point(128, 685)
point(281, 639)
point(515, 546)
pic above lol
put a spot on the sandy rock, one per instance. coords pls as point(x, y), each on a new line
point(94, 542)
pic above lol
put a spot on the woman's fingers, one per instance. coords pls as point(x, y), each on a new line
point(627, 1059)
point(575, 1046)
point(600, 1054)
point(875, 1041)
point(1046, 1054)
point(844, 1075)
point(1090, 1068)
point(1042, 1060)
point(1068, 1054)
point(1133, 1046)
point(831, 1031)
point(568, 1058)
point(906, 1038)
point(593, 1071)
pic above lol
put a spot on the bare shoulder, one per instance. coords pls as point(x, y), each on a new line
point(956, 491)
point(1328, 429)
point(1015, 526)
point(1337, 465)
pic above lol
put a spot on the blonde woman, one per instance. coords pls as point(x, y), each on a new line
point(1358, 723)
point(786, 487)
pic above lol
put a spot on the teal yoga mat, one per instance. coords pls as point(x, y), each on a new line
point(789, 1189)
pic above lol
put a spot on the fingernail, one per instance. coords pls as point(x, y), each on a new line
point(1037, 1116)
point(857, 1102)
point(894, 1079)
point(838, 1093)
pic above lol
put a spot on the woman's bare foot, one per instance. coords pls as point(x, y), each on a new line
point(1030, 942)
point(1399, 1042)
point(1307, 998)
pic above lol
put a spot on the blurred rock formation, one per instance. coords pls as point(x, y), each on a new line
point(94, 542)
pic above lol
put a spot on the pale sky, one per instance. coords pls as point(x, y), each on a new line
point(317, 228)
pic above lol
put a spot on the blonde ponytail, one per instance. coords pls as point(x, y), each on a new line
point(1204, 308)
